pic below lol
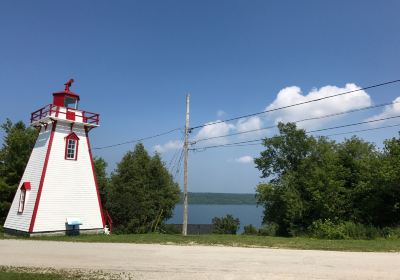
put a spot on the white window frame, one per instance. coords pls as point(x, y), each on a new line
point(22, 199)
point(71, 149)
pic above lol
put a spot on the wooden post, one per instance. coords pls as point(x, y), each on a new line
point(185, 170)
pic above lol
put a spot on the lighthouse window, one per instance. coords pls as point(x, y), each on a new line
point(71, 146)
point(71, 103)
point(22, 201)
point(71, 149)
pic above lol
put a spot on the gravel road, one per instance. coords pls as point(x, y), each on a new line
point(147, 261)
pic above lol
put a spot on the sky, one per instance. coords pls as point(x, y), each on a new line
point(134, 62)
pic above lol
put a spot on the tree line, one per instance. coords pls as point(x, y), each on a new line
point(315, 183)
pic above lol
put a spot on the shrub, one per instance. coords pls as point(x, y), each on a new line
point(226, 225)
point(326, 229)
point(344, 230)
point(268, 230)
point(354, 231)
point(391, 233)
point(250, 230)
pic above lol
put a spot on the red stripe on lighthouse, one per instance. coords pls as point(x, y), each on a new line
point(42, 177)
point(94, 177)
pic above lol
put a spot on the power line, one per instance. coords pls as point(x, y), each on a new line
point(329, 135)
point(174, 159)
point(296, 104)
point(311, 131)
point(298, 121)
point(362, 130)
point(138, 140)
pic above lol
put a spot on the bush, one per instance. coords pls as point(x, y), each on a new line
point(226, 225)
point(391, 233)
point(250, 230)
point(344, 230)
point(326, 229)
point(360, 231)
point(268, 230)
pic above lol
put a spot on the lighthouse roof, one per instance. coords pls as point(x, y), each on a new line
point(66, 94)
point(61, 98)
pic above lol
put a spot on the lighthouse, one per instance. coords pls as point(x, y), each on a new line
point(58, 192)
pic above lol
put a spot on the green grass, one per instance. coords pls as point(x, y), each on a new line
point(22, 273)
point(11, 275)
point(305, 243)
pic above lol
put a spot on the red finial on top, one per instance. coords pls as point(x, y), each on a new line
point(68, 85)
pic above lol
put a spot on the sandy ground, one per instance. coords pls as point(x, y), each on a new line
point(200, 262)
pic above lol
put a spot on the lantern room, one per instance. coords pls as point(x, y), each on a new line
point(64, 107)
point(66, 98)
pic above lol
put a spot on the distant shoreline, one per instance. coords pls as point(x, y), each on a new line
point(220, 198)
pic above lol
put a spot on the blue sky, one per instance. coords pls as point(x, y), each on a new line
point(134, 62)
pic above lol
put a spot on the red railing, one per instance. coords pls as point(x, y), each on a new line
point(48, 110)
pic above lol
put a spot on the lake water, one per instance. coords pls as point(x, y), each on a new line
point(204, 213)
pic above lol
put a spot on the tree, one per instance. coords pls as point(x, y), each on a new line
point(316, 179)
point(6, 196)
point(18, 143)
point(378, 194)
point(142, 193)
point(100, 166)
point(281, 162)
point(226, 225)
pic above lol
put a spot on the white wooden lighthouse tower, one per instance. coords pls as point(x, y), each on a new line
point(58, 192)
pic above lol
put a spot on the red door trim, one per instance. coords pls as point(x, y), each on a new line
point(94, 177)
point(46, 161)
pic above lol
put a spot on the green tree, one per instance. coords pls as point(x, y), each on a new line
point(142, 193)
point(17, 146)
point(226, 225)
point(316, 179)
point(378, 194)
point(103, 181)
point(7, 193)
point(284, 152)
point(18, 143)
point(281, 162)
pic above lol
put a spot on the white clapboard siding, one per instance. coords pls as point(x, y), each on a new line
point(32, 174)
point(69, 188)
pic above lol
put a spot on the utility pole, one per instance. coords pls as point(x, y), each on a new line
point(185, 169)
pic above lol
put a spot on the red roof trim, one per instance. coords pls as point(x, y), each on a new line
point(65, 93)
point(46, 161)
point(26, 186)
point(94, 177)
point(73, 136)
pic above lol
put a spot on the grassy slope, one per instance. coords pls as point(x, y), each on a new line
point(378, 245)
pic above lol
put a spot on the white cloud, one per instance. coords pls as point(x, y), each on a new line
point(169, 146)
point(251, 123)
point(245, 159)
point(215, 130)
point(389, 111)
point(293, 95)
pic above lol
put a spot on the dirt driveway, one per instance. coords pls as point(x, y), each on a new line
point(200, 262)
